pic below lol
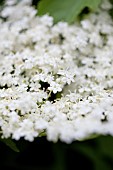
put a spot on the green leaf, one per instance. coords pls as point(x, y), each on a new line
point(65, 10)
point(92, 136)
point(9, 142)
point(42, 134)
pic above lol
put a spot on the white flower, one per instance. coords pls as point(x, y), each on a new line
point(25, 130)
point(55, 87)
point(86, 24)
point(106, 5)
point(47, 20)
point(55, 79)
point(67, 75)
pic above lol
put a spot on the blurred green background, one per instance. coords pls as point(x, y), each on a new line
point(94, 154)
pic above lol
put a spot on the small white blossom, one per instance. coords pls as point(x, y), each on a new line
point(55, 87)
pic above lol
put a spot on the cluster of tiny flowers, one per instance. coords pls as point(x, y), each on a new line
point(55, 79)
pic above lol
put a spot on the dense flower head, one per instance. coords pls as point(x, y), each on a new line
point(55, 79)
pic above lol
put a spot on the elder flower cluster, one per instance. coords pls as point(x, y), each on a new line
point(55, 79)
